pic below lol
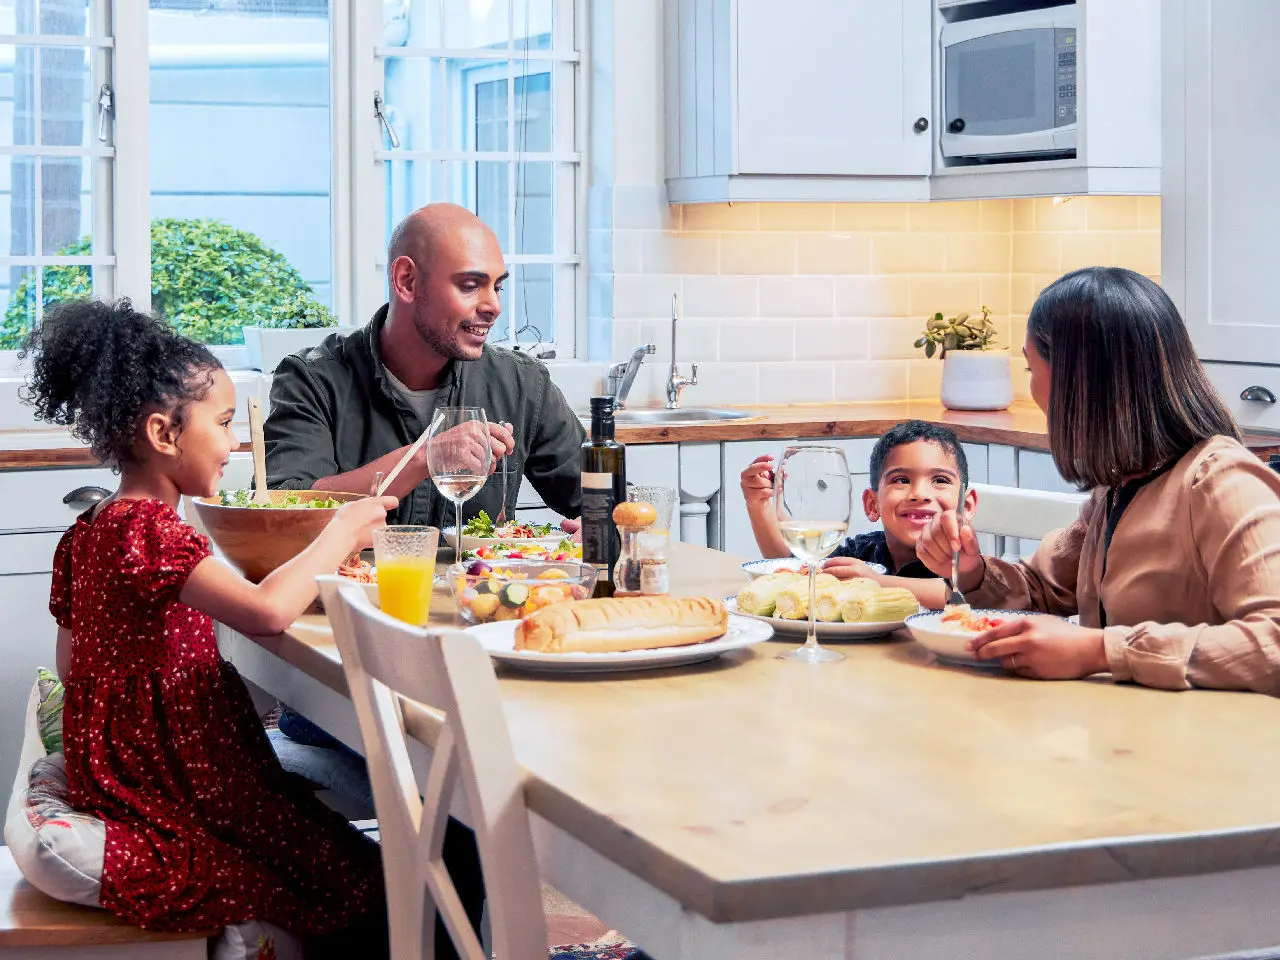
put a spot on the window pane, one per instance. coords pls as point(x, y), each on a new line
point(533, 113)
point(477, 23)
point(535, 208)
point(532, 303)
point(412, 102)
point(240, 161)
point(20, 305)
point(67, 219)
point(533, 24)
point(64, 18)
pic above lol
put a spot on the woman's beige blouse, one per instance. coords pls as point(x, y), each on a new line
point(1192, 588)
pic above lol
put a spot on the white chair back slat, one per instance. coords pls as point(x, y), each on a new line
point(448, 671)
point(1027, 514)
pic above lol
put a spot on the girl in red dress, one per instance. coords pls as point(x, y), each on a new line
point(204, 828)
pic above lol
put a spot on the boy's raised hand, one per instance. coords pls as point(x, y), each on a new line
point(944, 535)
point(847, 568)
point(757, 481)
point(359, 518)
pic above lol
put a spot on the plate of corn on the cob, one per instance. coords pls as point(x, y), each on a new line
point(762, 568)
point(844, 608)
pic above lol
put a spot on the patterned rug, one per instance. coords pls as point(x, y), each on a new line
point(610, 947)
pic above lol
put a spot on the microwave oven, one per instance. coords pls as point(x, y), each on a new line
point(1009, 86)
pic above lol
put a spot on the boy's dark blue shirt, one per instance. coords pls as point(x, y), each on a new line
point(874, 548)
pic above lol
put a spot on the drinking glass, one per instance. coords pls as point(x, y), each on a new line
point(405, 558)
point(813, 494)
point(663, 501)
point(459, 457)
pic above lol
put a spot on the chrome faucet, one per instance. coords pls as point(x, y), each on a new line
point(675, 382)
point(622, 375)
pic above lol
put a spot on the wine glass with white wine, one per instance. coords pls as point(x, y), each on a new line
point(459, 457)
point(813, 495)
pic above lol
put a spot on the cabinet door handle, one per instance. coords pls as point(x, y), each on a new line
point(921, 125)
point(1257, 394)
point(86, 495)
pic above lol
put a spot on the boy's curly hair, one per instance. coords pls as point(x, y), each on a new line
point(97, 367)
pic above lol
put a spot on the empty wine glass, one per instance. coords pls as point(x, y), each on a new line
point(813, 494)
point(459, 457)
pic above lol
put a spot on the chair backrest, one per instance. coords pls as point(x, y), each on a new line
point(385, 660)
point(1029, 514)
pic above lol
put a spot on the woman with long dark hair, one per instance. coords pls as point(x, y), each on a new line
point(1174, 562)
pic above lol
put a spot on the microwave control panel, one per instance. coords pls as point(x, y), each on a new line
point(1064, 108)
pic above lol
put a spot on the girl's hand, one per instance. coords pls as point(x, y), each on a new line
point(757, 481)
point(847, 568)
point(1044, 648)
point(359, 518)
point(944, 536)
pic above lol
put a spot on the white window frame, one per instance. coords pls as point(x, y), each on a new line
point(114, 199)
point(363, 291)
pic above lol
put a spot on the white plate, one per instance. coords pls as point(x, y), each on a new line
point(949, 644)
point(799, 629)
point(758, 568)
point(550, 541)
point(499, 639)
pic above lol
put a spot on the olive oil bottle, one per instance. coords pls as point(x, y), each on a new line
point(604, 486)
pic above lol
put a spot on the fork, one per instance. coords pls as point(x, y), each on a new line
point(954, 597)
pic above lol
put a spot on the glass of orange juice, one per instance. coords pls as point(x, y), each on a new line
point(405, 558)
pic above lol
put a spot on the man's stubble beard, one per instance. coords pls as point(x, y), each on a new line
point(432, 337)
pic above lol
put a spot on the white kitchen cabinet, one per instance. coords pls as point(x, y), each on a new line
point(27, 640)
point(814, 100)
point(656, 464)
point(1219, 225)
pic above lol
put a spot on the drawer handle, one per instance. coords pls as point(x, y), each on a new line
point(86, 495)
point(1257, 394)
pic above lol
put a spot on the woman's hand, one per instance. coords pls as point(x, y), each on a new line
point(941, 539)
point(1043, 648)
point(847, 568)
point(757, 481)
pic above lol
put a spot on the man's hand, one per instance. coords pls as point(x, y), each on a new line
point(464, 446)
point(757, 481)
point(940, 539)
point(1044, 648)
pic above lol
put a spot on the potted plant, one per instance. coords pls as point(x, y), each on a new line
point(277, 330)
point(975, 375)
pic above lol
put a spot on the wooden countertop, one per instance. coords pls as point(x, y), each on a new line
point(750, 788)
point(1022, 425)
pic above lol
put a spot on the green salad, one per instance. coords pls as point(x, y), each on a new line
point(481, 526)
point(244, 498)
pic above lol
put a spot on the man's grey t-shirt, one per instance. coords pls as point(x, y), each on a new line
point(421, 402)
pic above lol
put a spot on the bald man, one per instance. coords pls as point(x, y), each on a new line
point(348, 409)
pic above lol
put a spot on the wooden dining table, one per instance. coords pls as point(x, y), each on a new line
point(884, 806)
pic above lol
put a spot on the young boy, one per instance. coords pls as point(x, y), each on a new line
point(917, 471)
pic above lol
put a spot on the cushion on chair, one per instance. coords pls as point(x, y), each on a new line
point(49, 710)
point(58, 850)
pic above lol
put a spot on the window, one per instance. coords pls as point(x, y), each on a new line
point(477, 108)
point(56, 158)
point(240, 161)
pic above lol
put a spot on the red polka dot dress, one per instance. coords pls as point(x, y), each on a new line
point(204, 828)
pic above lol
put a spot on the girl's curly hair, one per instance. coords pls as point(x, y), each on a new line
point(97, 367)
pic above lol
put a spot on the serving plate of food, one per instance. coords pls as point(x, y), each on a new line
point(619, 634)
point(480, 531)
point(762, 568)
point(846, 609)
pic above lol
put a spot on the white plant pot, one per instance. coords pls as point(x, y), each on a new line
point(267, 346)
point(977, 380)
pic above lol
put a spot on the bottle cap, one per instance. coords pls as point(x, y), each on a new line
point(602, 406)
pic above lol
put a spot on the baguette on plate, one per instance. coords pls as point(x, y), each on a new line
point(615, 624)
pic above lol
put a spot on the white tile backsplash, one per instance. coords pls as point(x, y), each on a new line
point(793, 303)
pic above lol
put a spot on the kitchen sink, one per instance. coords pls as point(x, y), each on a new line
point(683, 415)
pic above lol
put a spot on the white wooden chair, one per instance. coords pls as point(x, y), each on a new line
point(1010, 512)
point(384, 660)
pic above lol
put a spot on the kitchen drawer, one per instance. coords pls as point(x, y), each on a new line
point(33, 499)
point(22, 553)
point(1232, 379)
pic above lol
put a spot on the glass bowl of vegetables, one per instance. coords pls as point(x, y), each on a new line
point(510, 589)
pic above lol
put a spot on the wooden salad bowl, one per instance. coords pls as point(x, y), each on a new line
point(259, 539)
